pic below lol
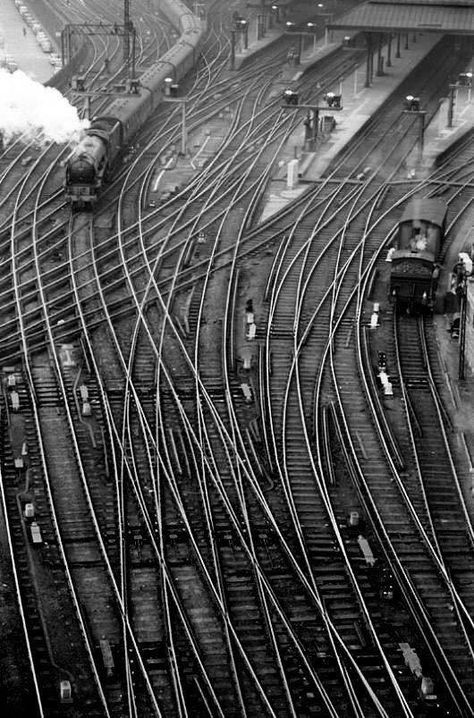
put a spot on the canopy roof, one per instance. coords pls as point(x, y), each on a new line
point(453, 17)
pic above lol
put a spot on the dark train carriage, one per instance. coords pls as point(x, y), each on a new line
point(414, 273)
point(93, 158)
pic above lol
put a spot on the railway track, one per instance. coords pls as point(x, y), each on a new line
point(201, 515)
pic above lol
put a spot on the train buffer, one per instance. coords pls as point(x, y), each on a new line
point(65, 692)
point(246, 356)
point(251, 331)
point(35, 532)
point(374, 320)
point(366, 550)
point(247, 392)
point(107, 656)
point(15, 400)
point(411, 659)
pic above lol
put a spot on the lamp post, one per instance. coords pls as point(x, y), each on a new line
point(232, 49)
point(462, 271)
point(311, 121)
point(310, 25)
point(469, 86)
point(461, 291)
point(453, 86)
point(243, 29)
point(289, 24)
point(327, 18)
point(465, 80)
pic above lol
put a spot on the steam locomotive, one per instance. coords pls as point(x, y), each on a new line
point(92, 159)
point(414, 271)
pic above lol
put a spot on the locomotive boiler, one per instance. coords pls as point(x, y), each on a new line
point(415, 270)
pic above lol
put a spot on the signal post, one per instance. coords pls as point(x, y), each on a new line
point(412, 107)
point(311, 122)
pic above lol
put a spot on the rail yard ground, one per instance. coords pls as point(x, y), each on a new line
point(218, 559)
point(359, 105)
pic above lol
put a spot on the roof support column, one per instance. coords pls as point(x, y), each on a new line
point(389, 50)
point(370, 59)
point(66, 50)
point(397, 52)
point(372, 53)
point(380, 71)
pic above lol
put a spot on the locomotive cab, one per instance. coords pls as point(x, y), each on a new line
point(415, 272)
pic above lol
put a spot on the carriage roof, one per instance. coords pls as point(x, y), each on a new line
point(428, 209)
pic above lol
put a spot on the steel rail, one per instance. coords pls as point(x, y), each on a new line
point(28, 370)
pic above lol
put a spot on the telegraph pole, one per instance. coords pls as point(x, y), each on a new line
point(453, 86)
point(461, 291)
point(101, 29)
point(128, 29)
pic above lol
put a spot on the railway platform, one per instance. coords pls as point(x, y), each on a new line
point(359, 104)
point(18, 42)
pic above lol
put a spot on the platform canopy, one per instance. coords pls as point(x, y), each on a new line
point(454, 18)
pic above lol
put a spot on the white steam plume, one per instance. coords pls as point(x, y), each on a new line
point(37, 113)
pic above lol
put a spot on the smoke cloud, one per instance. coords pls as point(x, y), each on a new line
point(37, 113)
